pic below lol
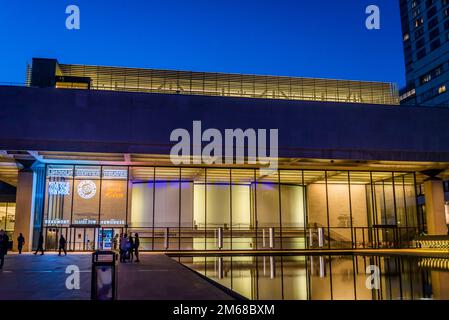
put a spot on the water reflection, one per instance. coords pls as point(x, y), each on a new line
point(327, 277)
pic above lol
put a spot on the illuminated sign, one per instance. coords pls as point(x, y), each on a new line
point(114, 191)
point(87, 189)
point(56, 222)
point(60, 173)
point(58, 188)
point(115, 173)
point(85, 221)
point(112, 221)
point(87, 172)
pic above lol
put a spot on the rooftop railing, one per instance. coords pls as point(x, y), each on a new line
point(230, 85)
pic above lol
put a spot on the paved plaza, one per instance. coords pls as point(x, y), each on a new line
point(157, 276)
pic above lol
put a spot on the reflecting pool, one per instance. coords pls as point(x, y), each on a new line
point(313, 277)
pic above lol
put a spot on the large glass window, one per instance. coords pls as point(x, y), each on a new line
point(10, 216)
point(199, 209)
point(268, 219)
point(292, 209)
point(87, 195)
point(3, 209)
point(339, 206)
point(114, 193)
point(218, 208)
point(166, 208)
point(360, 192)
point(142, 185)
point(7, 216)
point(242, 224)
point(187, 230)
point(317, 208)
point(59, 195)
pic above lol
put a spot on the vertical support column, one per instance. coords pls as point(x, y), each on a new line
point(311, 238)
point(320, 237)
point(166, 235)
point(220, 271)
point(322, 267)
point(271, 235)
point(25, 208)
point(435, 214)
point(263, 238)
point(220, 237)
point(128, 203)
point(272, 268)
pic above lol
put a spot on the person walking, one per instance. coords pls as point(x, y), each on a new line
point(20, 242)
point(40, 244)
point(62, 245)
point(131, 247)
point(4, 243)
point(136, 246)
point(115, 241)
point(120, 247)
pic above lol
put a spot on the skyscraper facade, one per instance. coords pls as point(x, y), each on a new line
point(425, 30)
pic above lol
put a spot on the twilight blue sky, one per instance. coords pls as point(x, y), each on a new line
point(317, 38)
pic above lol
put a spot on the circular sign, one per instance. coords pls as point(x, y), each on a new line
point(87, 189)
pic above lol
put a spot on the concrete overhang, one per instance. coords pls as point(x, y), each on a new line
point(133, 125)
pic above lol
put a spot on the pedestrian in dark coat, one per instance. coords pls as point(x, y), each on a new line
point(62, 245)
point(136, 246)
point(4, 243)
point(20, 242)
point(40, 244)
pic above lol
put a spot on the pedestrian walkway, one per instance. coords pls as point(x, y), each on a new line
point(156, 277)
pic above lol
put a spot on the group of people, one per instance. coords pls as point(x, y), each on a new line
point(40, 244)
point(4, 246)
point(128, 247)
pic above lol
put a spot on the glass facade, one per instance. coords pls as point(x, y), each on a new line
point(7, 216)
point(187, 208)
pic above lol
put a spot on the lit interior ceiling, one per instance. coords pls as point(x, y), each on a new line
point(9, 168)
point(336, 169)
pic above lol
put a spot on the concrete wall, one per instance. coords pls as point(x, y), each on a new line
point(76, 120)
point(24, 209)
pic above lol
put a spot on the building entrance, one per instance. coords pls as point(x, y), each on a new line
point(52, 235)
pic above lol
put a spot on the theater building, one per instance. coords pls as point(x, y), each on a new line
point(88, 149)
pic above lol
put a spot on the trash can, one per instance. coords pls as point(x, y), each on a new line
point(104, 275)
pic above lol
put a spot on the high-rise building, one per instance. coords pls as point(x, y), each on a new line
point(425, 30)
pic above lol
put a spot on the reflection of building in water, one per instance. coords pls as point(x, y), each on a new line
point(438, 279)
point(322, 277)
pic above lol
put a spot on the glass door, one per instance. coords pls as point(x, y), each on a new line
point(90, 237)
point(51, 239)
point(52, 235)
point(106, 238)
